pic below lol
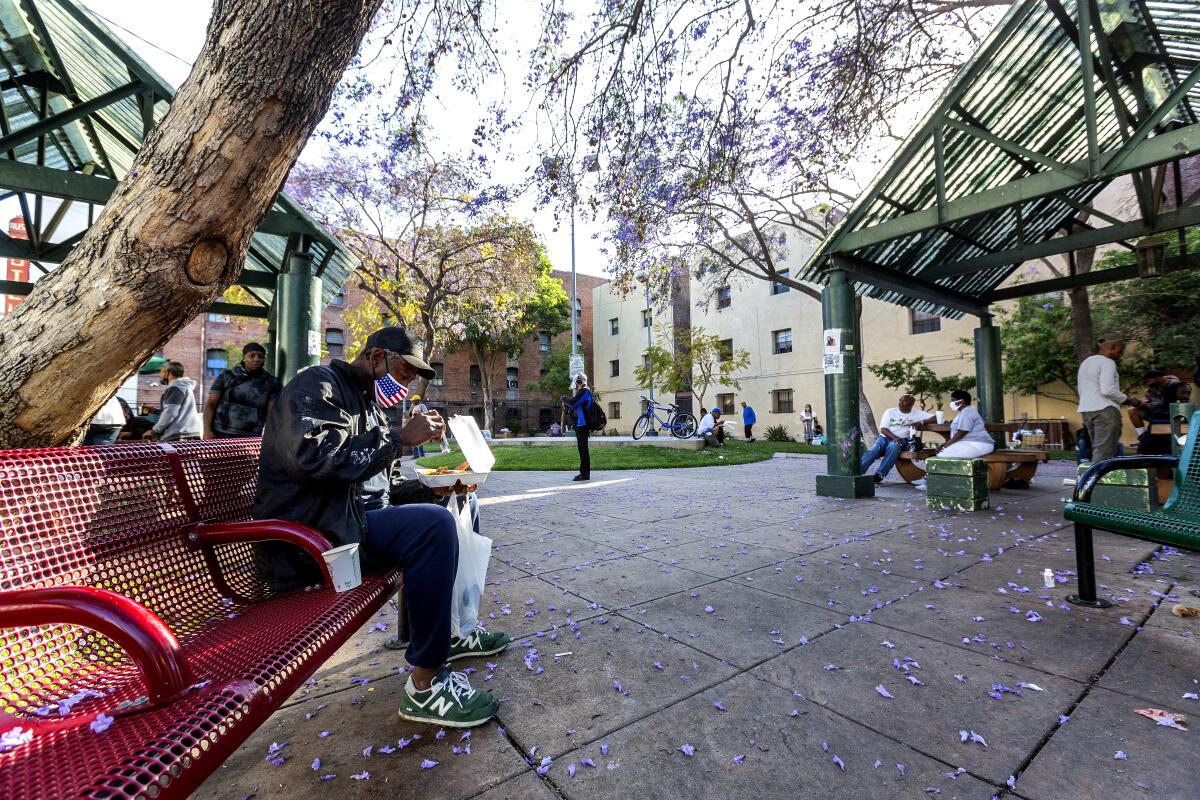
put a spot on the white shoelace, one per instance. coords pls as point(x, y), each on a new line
point(459, 686)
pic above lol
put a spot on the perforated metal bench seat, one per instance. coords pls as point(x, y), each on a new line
point(116, 600)
point(1177, 523)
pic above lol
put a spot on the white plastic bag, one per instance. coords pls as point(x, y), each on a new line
point(474, 552)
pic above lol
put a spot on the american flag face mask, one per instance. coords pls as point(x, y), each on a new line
point(388, 391)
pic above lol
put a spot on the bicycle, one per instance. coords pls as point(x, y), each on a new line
point(681, 424)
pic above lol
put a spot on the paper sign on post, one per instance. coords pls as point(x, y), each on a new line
point(576, 366)
point(833, 363)
point(833, 341)
point(314, 344)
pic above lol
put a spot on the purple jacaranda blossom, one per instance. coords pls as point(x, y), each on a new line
point(687, 750)
point(428, 764)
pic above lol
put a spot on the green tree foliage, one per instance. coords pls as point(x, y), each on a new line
point(1038, 347)
point(696, 361)
point(914, 376)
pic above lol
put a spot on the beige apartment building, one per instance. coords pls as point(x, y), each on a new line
point(781, 329)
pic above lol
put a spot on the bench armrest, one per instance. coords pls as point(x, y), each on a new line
point(307, 539)
point(136, 629)
point(1089, 479)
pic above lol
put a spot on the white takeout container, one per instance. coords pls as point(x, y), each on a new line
point(344, 567)
point(475, 452)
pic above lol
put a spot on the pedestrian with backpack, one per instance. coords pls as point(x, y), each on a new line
point(581, 404)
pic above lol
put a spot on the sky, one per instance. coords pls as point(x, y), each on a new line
point(170, 42)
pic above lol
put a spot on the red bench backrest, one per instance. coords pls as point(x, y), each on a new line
point(114, 517)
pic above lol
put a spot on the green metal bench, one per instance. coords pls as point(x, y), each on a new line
point(1177, 523)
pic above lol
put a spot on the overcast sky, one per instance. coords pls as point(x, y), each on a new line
point(170, 42)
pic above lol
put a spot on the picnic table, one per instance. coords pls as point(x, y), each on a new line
point(1002, 463)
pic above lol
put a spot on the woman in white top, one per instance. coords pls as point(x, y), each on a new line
point(968, 434)
point(808, 419)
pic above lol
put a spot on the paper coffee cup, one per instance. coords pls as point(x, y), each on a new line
point(941, 417)
point(344, 567)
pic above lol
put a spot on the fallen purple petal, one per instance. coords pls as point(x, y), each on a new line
point(687, 750)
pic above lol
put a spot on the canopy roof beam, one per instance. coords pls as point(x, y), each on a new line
point(55, 121)
point(861, 271)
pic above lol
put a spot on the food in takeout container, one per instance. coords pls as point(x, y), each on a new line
point(478, 456)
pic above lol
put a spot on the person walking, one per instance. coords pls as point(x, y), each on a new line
point(1101, 398)
point(417, 409)
point(178, 418)
point(748, 420)
point(579, 404)
point(240, 398)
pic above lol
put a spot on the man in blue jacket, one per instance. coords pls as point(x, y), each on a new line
point(579, 404)
point(748, 419)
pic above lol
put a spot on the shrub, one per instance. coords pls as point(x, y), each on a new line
point(777, 433)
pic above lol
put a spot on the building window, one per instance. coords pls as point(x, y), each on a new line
point(476, 377)
point(780, 288)
point(614, 368)
point(578, 308)
point(544, 341)
point(781, 401)
point(335, 342)
point(439, 373)
point(645, 361)
point(614, 410)
point(216, 361)
point(543, 373)
point(783, 341)
point(924, 323)
point(724, 297)
point(218, 318)
point(512, 377)
point(546, 418)
point(647, 317)
point(727, 349)
point(725, 403)
point(339, 299)
point(579, 341)
point(614, 326)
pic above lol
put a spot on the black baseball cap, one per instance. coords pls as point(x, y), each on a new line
point(1152, 373)
point(396, 340)
point(253, 347)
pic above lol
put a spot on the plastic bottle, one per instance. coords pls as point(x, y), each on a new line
point(1048, 578)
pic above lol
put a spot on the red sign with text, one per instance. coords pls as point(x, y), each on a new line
point(18, 268)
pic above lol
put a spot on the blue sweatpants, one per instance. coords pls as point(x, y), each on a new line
point(420, 539)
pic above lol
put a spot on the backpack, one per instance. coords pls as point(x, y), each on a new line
point(597, 420)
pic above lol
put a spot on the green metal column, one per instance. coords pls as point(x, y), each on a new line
point(272, 342)
point(989, 381)
point(842, 363)
point(297, 317)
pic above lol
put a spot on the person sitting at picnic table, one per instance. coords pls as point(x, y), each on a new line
point(1159, 444)
point(712, 429)
point(969, 437)
point(325, 436)
point(895, 436)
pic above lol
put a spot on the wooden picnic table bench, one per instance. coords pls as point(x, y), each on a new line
point(1002, 465)
point(1177, 523)
point(139, 645)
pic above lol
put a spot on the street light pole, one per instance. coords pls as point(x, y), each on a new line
point(574, 287)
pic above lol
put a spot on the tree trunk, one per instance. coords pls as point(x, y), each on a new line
point(485, 383)
point(175, 232)
point(866, 416)
point(1081, 307)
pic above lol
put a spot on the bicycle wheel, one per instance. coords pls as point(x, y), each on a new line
point(641, 426)
point(683, 426)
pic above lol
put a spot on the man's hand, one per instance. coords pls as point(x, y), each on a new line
point(149, 436)
point(422, 428)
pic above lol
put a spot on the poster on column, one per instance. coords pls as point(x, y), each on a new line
point(833, 364)
point(314, 344)
point(833, 341)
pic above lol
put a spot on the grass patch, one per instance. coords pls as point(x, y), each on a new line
point(565, 458)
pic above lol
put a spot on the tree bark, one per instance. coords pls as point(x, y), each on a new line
point(1081, 307)
point(866, 416)
point(175, 232)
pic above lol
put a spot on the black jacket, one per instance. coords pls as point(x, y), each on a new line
point(323, 438)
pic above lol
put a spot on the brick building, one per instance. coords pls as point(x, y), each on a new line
point(204, 345)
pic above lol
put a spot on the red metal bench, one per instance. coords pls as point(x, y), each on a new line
point(128, 590)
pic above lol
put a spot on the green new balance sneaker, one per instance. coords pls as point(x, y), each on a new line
point(479, 642)
point(449, 701)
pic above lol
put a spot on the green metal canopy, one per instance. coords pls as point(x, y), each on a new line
point(1061, 99)
point(75, 106)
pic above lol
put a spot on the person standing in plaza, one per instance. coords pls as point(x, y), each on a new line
point(241, 398)
point(1101, 398)
point(809, 420)
point(415, 410)
point(178, 418)
point(579, 403)
point(748, 420)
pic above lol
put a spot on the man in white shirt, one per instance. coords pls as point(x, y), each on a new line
point(712, 429)
point(1101, 398)
point(895, 432)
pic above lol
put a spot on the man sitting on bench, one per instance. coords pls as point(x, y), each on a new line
point(895, 434)
point(325, 436)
